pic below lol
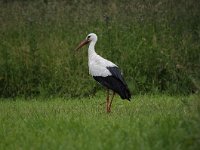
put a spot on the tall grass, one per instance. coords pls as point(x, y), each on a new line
point(155, 43)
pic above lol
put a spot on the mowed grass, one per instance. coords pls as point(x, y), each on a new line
point(147, 122)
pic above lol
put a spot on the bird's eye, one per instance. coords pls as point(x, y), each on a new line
point(88, 37)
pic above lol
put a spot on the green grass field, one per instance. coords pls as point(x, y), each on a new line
point(147, 122)
point(155, 43)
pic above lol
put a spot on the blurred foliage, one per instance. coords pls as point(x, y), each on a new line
point(156, 44)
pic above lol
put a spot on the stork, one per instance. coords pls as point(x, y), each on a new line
point(105, 72)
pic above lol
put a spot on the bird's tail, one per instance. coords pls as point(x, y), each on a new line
point(125, 94)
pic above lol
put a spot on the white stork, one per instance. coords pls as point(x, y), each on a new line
point(105, 72)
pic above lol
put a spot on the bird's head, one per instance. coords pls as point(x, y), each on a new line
point(92, 37)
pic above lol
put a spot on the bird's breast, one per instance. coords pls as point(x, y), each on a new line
point(98, 66)
point(97, 69)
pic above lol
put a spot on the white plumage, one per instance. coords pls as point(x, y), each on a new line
point(97, 64)
point(105, 72)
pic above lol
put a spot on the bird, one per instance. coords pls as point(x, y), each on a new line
point(105, 72)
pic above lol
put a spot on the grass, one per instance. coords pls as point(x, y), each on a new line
point(155, 43)
point(147, 122)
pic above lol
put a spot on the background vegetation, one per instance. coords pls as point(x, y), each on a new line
point(156, 44)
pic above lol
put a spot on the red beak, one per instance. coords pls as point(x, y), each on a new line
point(84, 42)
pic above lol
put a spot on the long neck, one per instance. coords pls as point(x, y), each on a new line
point(91, 49)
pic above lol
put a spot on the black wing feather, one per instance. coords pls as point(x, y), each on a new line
point(116, 73)
point(115, 82)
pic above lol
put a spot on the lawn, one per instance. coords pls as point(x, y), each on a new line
point(147, 122)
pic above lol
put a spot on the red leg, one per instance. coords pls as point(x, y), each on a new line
point(107, 101)
point(111, 101)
